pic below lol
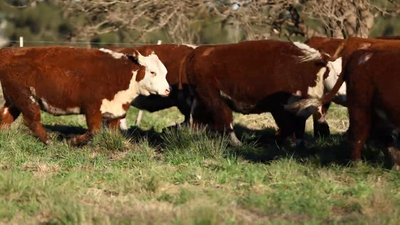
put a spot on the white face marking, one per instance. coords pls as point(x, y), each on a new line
point(123, 124)
point(318, 90)
point(154, 81)
point(5, 111)
point(57, 111)
point(115, 55)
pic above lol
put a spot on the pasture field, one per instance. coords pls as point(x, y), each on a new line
point(189, 177)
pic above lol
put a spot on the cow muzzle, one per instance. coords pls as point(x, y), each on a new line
point(168, 91)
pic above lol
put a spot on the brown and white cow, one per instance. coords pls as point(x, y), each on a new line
point(330, 46)
point(172, 56)
point(253, 77)
point(101, 84)
point(372, 80)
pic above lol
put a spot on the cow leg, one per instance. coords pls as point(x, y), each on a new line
point(358, 132)
point(8, 114)
point(300, 127)
point(321, 127)
point(31, 115)
point(93, 121)
point(21, 102)
point(221, 113)
point(282, 120)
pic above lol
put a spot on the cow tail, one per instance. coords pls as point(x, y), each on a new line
point(307, 107)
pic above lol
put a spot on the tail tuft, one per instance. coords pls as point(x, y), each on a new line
point(309, 52)
point(304, 107)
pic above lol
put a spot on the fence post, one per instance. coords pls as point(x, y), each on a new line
point(140, 113)
point(21, 41)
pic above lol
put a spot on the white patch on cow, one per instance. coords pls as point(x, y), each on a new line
point(363, 59)
point(115, 55)
point(194, 105)
point(57, 111)
point(318, 90)
point(5, 111)
point(112, 109)
point(309, 52)
point(335, 68)
point(123, 124)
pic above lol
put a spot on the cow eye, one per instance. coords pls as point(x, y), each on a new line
point(153, 73)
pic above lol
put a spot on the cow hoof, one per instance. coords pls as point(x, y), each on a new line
point(234, 140)
point(75, 142)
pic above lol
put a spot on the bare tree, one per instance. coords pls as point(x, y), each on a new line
point(257, 19)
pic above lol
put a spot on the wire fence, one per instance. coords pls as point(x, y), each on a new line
point(28, 43)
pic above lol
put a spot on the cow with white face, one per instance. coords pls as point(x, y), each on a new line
point(154, 81)
point(99, 83)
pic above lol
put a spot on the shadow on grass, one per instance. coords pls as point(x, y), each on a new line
point(259, 146)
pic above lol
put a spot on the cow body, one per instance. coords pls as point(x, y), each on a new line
point(101, 84)
point(372, 98)
point(251, 77)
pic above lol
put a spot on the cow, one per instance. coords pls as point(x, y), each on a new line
point(99, 83)
point(172, 56)
point(330, 46)
point(372, 81)
point(253, 77)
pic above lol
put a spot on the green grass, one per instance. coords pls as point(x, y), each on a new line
point(188, 177)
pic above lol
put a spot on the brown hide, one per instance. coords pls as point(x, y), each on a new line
point(249, 77)
point(373, 97)
point(172, 56)
point(68, 80)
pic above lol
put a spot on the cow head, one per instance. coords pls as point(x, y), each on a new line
point(152, 77)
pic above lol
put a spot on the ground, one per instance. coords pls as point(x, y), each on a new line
point(189, 177)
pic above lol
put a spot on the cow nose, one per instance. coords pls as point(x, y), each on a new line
point(167, 91)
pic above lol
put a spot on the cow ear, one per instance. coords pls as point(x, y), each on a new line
point(138, 57)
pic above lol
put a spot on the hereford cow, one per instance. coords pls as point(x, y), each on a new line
point(372, 82)
point(253, 77)
point(172, 56)
point(68, 80)
point(330, 46)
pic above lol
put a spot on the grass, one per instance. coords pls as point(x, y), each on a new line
point(188, 177)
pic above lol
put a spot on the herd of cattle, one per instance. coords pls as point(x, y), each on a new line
point(291, 80)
